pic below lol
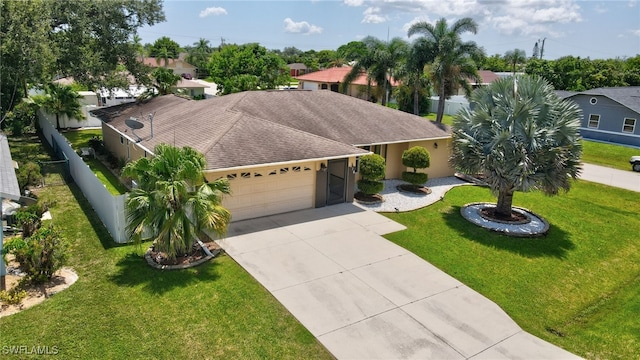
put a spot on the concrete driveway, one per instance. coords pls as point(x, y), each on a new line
point(364, 297)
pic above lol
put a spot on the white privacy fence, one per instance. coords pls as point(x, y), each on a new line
point(451, 106)
point(110, 208)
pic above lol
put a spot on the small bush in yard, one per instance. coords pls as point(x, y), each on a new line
point(29, 219)
point(40, 255)
point(372, 169)
point(417, 158)
point(13, 296)
point(29, 174)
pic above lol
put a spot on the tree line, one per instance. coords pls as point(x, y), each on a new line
point(98, 44)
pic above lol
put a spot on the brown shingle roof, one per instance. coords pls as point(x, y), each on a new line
point(263, 127)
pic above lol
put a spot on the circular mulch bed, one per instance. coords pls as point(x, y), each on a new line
point(195, 257)
point(522, 223)
point(419, 190)
point(368, 199)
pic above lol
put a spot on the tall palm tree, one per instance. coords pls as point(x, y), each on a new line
point(453, 63)
point(521, 136)
point(173, 202)
point(515, 57)
point(62, 100)
point(379, 62)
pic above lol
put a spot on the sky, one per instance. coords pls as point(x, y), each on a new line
point(594, 29)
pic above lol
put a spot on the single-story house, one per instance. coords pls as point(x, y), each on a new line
point(297, 69)
point(280, 150)
point(609, 114)
point(332, 78)
point(191, 88)
point(178, 66)
point(486, 78)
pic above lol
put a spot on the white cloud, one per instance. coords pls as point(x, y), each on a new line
point(636, 32)
point(213, 11)
point(540, 17)
point(353, 2)
point(417, 19)
point(372, 16)
point(301, 27)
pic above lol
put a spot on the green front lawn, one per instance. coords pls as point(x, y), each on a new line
point(80, 138)
point(615, 156)
point(578, 287)
point(120, 308)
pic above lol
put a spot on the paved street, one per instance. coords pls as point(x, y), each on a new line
point(613, 177)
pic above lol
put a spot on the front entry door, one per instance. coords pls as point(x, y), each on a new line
point(336, 186)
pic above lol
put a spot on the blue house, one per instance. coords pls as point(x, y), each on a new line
point(609, 114)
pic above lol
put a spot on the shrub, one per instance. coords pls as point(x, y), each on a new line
point(29, 174)
point(13, 296)
point(28, 218)
point(415, 178)
point(97, 144)
point(22, 118)
point(40, 255)
point(370, 187)
point(417, 158)
point(371, 169)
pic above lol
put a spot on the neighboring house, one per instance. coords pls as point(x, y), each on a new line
point(332, 78)
point(280, 150)
point(178, 66)
point(486, 78)
point(297, 69)
point(609, 114)
point(109, 97)
point(191, 88)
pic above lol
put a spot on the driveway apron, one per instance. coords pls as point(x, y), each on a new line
point(363, 297)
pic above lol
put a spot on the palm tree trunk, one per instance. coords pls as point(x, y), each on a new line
point(441, 102)
point(505, 199)
point(416, 98)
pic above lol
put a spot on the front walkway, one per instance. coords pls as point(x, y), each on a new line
point(363, 297)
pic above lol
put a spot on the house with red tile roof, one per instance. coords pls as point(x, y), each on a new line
point(333, 78)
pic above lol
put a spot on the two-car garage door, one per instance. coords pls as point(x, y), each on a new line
point(270, 190)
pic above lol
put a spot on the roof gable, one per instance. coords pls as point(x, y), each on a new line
point(628, 96)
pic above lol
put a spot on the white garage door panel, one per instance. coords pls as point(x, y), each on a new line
point(271, 194)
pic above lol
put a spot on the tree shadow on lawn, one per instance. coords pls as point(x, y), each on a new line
point(133, 270)
point(556, 243)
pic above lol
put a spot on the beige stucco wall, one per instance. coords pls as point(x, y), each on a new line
point(439, 157)
point(125, 149)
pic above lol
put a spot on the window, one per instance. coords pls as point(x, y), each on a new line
point(629, 125)
point(121, 140)
point(245, 175)
point(232, 176)
point(594, 121)
point(324, 87)
point(593, 101)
